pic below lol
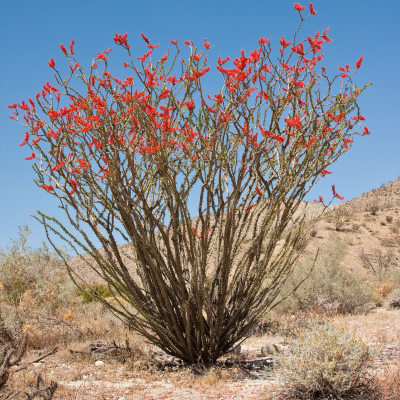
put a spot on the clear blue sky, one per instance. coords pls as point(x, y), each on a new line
point(32, 31)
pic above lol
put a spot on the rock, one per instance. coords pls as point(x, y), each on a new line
point(269, 349)
point(99, 363)
point(238, 376)
point(123, 398)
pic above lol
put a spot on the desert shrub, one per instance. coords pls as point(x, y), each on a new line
point(356, 227)
point(34, 282)
point(313, 231)
point(341, 215)
point(327, 363)
point(196, 292)
point(388, 242)
point(389, 219)
point(379, 263)
point(330, 287)
point(374, 209)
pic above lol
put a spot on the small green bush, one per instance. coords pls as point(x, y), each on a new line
point(389, 219)
point(327, 363)
point(356, 227)
point(90, 292)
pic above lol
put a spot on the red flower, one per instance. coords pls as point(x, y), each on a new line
point(164, 94)
point(324, 172)
point(25, 140)
point(336, 194)
point(174, 41)
point(299, 49)
point(189, 105)
point(49, 188)
point(51, 63)
point(298, 7)
point(206, 44)
point(71, 46)
point(312, 11)
point(366, 131)
point(358, 63)
point(259, 192)
point(325, 36)
point(295, 121)
point(121, 39)
point(73, 184)
point(31, 157)
point(63, 49)
point(321, 200)
point(284, 43)
point(263, 41)
point(145, 38)
point(222, 62)
point(187, 42)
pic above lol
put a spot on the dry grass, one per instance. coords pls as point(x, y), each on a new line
point(391, 381)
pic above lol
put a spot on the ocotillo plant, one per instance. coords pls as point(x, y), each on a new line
point(124, 157)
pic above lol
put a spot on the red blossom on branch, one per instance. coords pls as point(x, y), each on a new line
point(298, 7)
point(366, 131)
point(284, 43)
point(263, 41)
point(312, 11)
point(259, 192)
point(122, 40)
point(336, 194)
point(51, 63)
point(325, 172)
point(145, 38)
point(325, 36)
point(25, 140)
point(71, 46)
point(358, 63)
point(49, 188)
point(31, 157)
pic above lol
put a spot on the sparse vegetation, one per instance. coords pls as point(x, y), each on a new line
point(374, 209)
point(328, 363)
point(331, 287)
point(34, 283)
